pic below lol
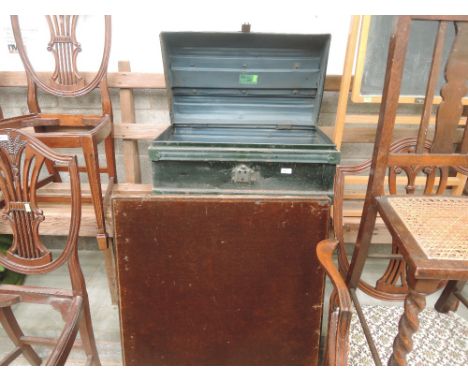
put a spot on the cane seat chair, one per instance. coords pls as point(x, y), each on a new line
point(21, 158)
point(429, 230)
point(80, 131)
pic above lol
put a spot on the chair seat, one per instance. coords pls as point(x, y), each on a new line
point(442, 339)
point(439, 224)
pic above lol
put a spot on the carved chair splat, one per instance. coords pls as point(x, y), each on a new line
point(430, 230)
point(22, 157)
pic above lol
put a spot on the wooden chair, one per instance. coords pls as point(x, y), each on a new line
point(72, 131)
point(429, 231)
point(21, 158)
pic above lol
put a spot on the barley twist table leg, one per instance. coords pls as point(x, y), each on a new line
point(409, 324)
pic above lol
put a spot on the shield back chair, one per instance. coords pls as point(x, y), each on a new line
point(429, 230)
point(73, 131)
point(21, 158)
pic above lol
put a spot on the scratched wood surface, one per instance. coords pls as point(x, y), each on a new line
point(219, 281)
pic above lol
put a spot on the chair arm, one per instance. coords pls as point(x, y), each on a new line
point(325, 250)
point(65, 342)
point(339, 320)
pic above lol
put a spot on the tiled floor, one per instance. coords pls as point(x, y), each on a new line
point(41, 320)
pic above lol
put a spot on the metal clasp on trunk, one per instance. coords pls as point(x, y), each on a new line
point(243, 174)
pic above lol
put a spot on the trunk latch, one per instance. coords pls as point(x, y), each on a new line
point(243, 174)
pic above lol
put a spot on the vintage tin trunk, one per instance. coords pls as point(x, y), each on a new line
point(244, 109)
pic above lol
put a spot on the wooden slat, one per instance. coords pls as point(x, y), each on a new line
point(351, 226)
point(401, 159)
point(420, 180)
point(57, 215)
point(457, 182)
point(361, 53)
point(145, 131)
point(132, 80)
point(115, 80)
point(333, 83)
point(462, 182)
point(372, 119)
point(352, 134)
point(431, 85)
point(130, 147)
point(355, 134)
point(127, 80)
point(62, 189)
point(57, 221)
point(346, 82)
point(349, 213)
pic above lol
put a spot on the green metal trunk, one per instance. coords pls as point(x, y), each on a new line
point(244, 108)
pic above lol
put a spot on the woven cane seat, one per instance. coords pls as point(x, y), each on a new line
point(442, 339)
point(438, 224)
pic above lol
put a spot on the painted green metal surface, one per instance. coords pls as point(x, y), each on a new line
point(244, 108)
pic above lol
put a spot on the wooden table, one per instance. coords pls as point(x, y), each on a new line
point(219, 280)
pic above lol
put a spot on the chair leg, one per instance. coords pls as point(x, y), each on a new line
point(110, 271)
point(109, 252)
point(409, 324)
point(90, 153)
point(415, 302)
point(110, 157)
point(448, 301)
point(91, 156)
point(9, 323)
point(87, 335)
